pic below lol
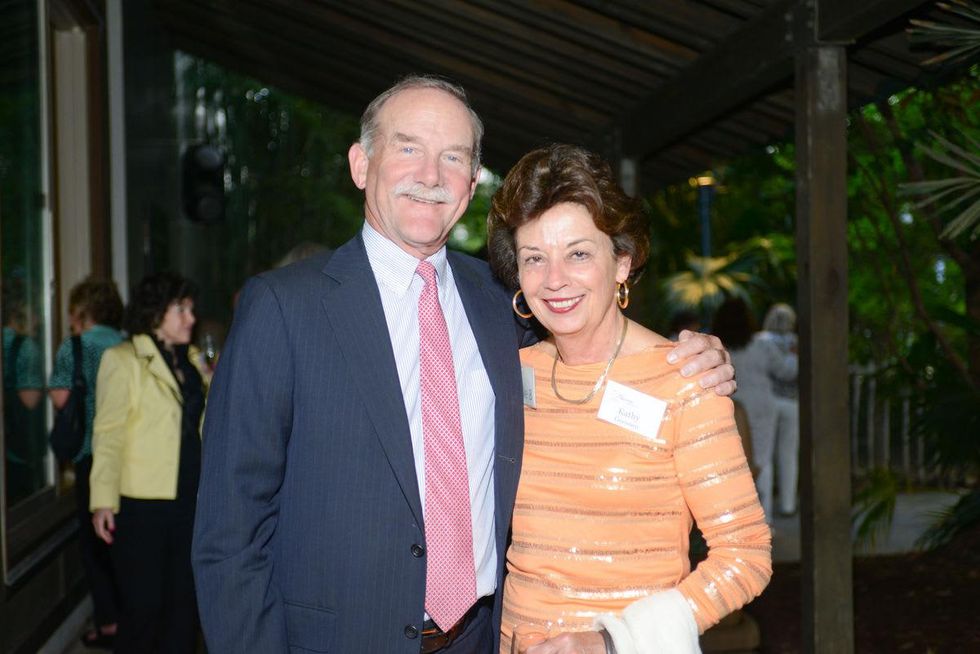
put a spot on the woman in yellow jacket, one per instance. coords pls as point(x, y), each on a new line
point(146, 464)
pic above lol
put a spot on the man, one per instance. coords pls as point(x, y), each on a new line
point(363, 436)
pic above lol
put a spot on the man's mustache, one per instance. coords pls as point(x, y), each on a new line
point(420, 191)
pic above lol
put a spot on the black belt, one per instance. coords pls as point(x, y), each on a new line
point(435, 639)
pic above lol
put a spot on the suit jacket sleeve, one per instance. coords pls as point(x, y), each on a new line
point(246, 431)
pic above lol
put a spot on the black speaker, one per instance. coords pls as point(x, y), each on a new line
point(203, 183)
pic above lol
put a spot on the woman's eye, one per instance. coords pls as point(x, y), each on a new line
point(579, 255)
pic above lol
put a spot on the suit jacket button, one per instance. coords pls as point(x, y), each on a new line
point(418, 551)
point(411, 631)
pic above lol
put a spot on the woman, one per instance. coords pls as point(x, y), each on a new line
point(621, 453)
point(95, 313)
point(759, 361)
point(147, 459)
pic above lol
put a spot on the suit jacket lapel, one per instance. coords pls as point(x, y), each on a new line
point(496, 338)
point(353, 307)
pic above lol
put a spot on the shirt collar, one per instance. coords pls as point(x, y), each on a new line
point(395, 268)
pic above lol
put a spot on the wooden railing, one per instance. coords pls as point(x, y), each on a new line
point(882, 434)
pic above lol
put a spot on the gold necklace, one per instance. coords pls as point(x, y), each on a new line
point(602, 378)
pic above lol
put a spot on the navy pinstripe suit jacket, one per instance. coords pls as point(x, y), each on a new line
point(309, 506)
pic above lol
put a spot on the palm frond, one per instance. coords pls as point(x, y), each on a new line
point(956, 194)
point(962, 42)
point(953, 521)
point(874, 506)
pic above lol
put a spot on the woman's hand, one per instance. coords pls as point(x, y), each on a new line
point(696, 353)
point(584, 642)
point(105, 523)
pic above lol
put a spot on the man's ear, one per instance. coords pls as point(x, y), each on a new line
point(358, 160)
point(473, 182)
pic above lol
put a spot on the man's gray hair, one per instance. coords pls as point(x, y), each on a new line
point(369, 119)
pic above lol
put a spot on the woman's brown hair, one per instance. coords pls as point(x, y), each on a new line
point(553, 175)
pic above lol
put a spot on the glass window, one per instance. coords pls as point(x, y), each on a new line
point(22, 255)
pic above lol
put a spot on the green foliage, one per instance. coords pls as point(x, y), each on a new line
point(470, 233)
point(957, 519)
point(709, 281)
point(874, 505)
point(912, 316)
point(953, 193)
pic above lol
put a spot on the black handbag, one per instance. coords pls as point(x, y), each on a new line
point(68, 433)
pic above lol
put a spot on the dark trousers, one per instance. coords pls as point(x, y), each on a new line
point(151, 553)
point(96, 561)
point(477, 638)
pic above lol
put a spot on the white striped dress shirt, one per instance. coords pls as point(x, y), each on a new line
point(400, 287)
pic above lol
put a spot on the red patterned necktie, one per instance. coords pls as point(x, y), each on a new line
point(450, 587)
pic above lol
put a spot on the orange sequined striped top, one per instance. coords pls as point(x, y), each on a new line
point(603, 514)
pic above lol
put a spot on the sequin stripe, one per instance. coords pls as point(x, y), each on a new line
point(596, 519)
point(693, 397)
point(727, 430)
point(726, 516)
point(573, 619)
point(727, 576)
point(727, 534)
point(708, 586)
point(589, 513)
point(596, 593)
point(762, 574)
point(539, 412)
point(718, 477)
point(578, 552)
point(598, 478)
point(637, 444)
point(739, 547)
point(717, 465)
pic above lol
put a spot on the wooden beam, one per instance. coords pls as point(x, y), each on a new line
point(821, 250)
point(743, 67)
point(849, 20)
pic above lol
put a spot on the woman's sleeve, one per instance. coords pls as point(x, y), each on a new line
point(717, 485)
point(114, 390)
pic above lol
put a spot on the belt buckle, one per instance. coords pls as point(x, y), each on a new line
point(435, 642)
point(436, 639)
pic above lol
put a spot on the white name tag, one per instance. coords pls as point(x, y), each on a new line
point(630, 409)
point(527, 381)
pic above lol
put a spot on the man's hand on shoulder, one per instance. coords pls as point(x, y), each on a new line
point(697, 353)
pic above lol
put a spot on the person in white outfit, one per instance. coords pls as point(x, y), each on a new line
point(779, 325)
point(759, 360)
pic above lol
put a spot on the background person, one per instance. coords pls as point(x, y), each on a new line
point(780, 326)
point(363, 434)
point(621, 453)
point(95, 314)
point(758, 360)
point(146, 464)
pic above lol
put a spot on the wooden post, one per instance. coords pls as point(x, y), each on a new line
point(821, 231)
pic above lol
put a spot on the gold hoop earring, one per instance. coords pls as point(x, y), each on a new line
point(513, 303)
point(622, 295)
